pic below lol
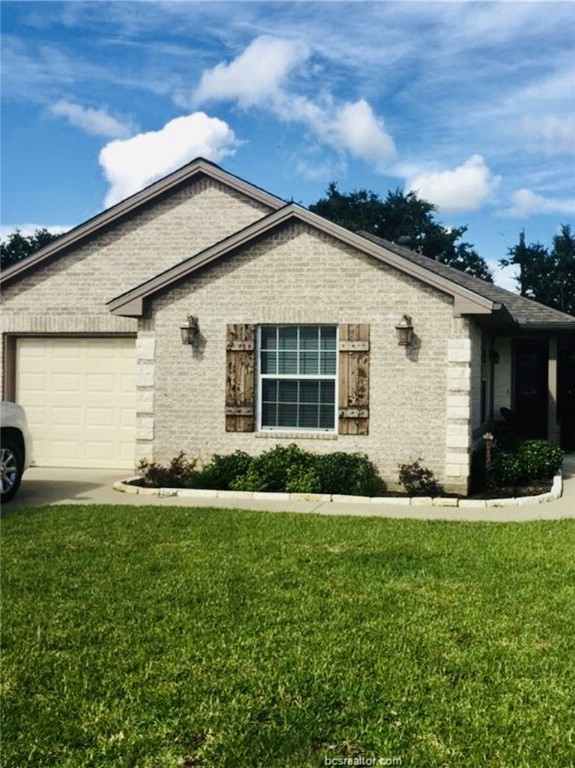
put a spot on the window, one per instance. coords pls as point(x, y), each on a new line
point(297, 375)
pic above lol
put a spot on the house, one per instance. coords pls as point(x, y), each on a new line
point(293, 323)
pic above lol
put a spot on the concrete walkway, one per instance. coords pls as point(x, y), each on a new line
point(42, 486)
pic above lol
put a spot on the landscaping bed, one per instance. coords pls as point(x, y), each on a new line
point(525, 469)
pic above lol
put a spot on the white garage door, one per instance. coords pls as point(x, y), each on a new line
point(80, 398)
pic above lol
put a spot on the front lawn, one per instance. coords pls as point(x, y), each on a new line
point(157, 637)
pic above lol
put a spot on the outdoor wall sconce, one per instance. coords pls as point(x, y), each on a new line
point(191, 331)
point(404, 331)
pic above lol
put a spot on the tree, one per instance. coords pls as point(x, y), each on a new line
point(18, 246)
point(403, 219)
point(547, 276)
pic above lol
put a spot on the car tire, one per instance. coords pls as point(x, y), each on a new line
point(11, 468)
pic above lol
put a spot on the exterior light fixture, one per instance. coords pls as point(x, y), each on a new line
point(404, 331)
point(190, 331)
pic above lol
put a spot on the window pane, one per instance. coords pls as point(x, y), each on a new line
point(309, 391)
point(288, 337)
point(269, 415)
point(328, 337)
point(327, 363)
point(327, 392)
point(326, 417)
point(269, 362)
point(309, 417)
point(268, 337)
point(309, 363)
point(287, 415)
point(287, 362)
point(309, 337)
point(288, 390)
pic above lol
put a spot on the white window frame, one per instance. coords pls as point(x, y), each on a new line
point(297, 377)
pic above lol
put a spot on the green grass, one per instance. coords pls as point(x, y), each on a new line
point(162, 637)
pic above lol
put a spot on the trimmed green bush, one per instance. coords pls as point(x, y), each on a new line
point(282, 468)
point(533, 460)
point(349, 473)
point(269, 470)
point(293, 470)
point(540, 460)
point(222, 471)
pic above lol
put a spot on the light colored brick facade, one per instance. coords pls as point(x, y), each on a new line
point(302, 276)
point(421, 403)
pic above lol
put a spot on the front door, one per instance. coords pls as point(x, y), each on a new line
point(531, 388)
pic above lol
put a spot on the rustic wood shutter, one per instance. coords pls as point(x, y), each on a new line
point(353, 379)
point(240, 378)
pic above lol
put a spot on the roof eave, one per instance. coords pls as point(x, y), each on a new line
point(466, 302)
point(197, 167)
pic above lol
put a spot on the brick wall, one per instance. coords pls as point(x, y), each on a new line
point(69, 295)
point(419, 396)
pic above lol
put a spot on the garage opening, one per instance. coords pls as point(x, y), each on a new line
point(80, 398)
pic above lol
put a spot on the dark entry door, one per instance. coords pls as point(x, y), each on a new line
point(531, 388)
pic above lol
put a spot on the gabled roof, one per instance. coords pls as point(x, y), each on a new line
point(197, 169)
point(525, 312)
point(466, 300)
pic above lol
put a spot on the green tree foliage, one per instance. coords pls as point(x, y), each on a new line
point(17, 246)
point(403, 219)
point(548, 276)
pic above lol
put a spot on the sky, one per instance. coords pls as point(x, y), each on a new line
point(469, 104)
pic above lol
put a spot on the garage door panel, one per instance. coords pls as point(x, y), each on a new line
point(66, 416)
point(79, 394)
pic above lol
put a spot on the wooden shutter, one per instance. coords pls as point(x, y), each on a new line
point(353, 379)
point(240, 378)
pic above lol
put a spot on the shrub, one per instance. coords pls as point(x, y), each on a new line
point(349, 473)
point(293, 470)
point(418, 480)
point(539, 459)
point(533, 460)
point(282, 468)
point(222, 471)
point(301, 479)
point(505, 470)
point(269, 470)
point(179, 472)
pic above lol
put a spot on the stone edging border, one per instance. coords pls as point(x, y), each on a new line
point(126, 486)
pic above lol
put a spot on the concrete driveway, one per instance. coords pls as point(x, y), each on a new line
point(42, 486)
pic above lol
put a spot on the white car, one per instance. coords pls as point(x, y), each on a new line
point(16, 451)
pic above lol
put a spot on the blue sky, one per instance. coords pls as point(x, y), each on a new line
point(470, 104)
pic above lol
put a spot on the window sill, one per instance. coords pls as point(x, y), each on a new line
point(273, 435)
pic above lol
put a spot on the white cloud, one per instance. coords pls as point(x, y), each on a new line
point(465, 188)
point(255, 75)
point(97, 122)
point(134, 163)
point(504, 277)
point(525, 202)
point(356, 128)
point(258, 78)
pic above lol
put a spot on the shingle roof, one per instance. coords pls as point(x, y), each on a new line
point(526, 312)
